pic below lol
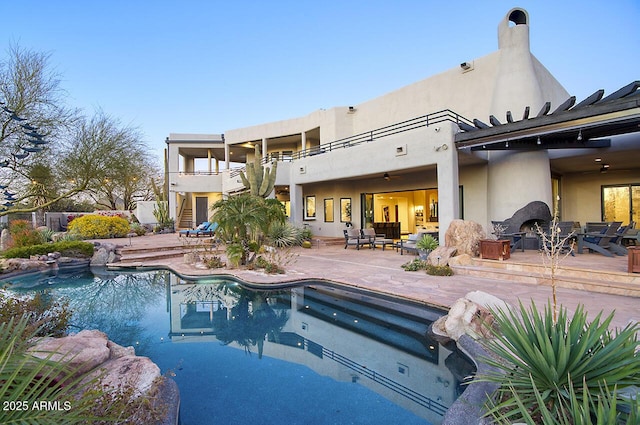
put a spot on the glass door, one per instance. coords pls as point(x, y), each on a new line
point(621, 203)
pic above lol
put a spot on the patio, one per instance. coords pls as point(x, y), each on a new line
point(512, 280)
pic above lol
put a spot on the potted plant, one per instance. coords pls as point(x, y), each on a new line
point(425, 245)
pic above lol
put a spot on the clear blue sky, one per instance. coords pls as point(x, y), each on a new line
point(211, 66)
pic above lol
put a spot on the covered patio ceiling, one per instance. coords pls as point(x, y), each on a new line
point(587, 125)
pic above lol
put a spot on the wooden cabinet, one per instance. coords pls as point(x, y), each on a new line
point(634, 259)
point(495, 249)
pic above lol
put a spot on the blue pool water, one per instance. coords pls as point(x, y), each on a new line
point(307, 355)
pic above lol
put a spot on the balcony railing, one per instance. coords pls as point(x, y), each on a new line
point(373, 135)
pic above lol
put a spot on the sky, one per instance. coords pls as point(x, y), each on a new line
point(211, 66)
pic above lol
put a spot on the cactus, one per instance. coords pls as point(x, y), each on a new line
point(258, 178)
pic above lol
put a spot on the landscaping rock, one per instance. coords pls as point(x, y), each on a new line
point(127, 371)
point(441, 255)
point(87, 349)
point(469, 315)
point(465, 236)
point(117, 367)
point(105, 253)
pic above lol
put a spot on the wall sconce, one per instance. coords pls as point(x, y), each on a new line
point(579, 138)
point(442, 147)
point(538, 142)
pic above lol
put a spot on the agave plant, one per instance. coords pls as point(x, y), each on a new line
point(282, 234)
point(541, 362)
point(589, 409)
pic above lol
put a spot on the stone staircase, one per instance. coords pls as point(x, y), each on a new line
point(131, 255)
point(605, 281)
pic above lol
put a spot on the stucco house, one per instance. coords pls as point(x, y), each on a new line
point(479, 141)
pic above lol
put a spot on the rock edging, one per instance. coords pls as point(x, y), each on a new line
point(91, 352)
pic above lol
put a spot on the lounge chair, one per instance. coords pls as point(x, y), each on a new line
point(210, 230)
point(599, 242)
point(615, 244)
point(194, 232)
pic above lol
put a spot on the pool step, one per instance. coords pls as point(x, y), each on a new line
point(608, 282)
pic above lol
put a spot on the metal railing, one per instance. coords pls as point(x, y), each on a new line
point(373, 135)
point(396, 387)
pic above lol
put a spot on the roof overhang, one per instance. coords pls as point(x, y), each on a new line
point(568, 127)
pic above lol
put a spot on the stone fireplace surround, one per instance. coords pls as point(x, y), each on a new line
point(525, 219)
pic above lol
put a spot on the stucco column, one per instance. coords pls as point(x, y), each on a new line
point(295, 203)
point(448, 180)
point(304, 140)
point(264, 147)
point(226, 156)
point(515, 179)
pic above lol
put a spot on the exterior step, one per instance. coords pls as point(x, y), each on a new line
point(609, 282)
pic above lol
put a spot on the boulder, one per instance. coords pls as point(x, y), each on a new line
point(465, 236)
point(127, 371)
point(469, 315)
point(116, 350)
point(461, 260)
point(441, 255)
point(87, 349)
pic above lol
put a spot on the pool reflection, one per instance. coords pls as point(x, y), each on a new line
point(355, 337)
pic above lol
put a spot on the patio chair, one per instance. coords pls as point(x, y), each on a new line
point(193, 232)
point(353, 237)
point(615, 244)
point(599, 242)
point(565, 234)
point(409, 244)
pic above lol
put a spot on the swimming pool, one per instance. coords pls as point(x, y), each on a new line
point(313, 354)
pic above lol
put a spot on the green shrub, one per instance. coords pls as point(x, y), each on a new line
point(540, 362)
point(443, 270)
point(23, 234)
point(414, 265)
point(214, 262)
point(93, 226)
point(47, 234)
point(138, 229)
point(235, 253)
point(66, 248)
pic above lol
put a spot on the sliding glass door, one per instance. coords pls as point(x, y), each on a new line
point(621, 203)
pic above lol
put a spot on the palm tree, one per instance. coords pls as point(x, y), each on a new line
point(245, 219)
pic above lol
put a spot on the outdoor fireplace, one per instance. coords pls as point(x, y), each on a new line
point(525, 220)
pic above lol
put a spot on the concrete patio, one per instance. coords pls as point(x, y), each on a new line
point(597, 282)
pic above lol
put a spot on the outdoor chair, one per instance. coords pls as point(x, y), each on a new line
point(564, 233)
point(615, 244)
point(353, 237)
point(599, 242)
point(210, 230)
point(409, 244)
point(193, 232)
